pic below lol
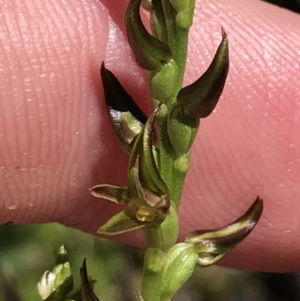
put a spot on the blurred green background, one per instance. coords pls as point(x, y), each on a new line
point(26, 252)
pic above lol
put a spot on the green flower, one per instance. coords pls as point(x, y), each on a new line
point(146, 195)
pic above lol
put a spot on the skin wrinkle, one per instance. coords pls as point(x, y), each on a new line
point(54, 208)
point(14, 141)
point(11, 138)
point(243, 148)
point(79, 170)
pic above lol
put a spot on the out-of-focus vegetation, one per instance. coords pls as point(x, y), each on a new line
point(26, 252)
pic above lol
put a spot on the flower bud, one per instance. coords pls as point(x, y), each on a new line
point(182, 130)
point(185, 12)
point(200, 98)
point(58, 283)
point(181, 262)
point(150, 53)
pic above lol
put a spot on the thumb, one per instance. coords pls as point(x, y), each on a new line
point(56, 141)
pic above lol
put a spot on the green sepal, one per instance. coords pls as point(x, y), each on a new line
point(120, 223)
point(87, 292)
point(158, 21)
point(182, 130)
point(135, 189)
point(148, 155)
point(55, 285)
point(181, 261)
point(200, 98)
point(150, 53)
point(147, 5)
point(146, 194)
point(144, 148)
point(111, 193)
point(143, 195)
point(211, 245)
point(185, 12)
point(125, 115)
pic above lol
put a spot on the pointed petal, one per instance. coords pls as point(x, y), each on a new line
point(148, 156)
point(158, 21)
point(150, 53)
point(212, 245)
point(87, 293)
point(151, 198)
point(121, 223)
point(126, 117)
point(145, 176)
point(111, 193)
point(62, 255)
point(200, 98)
point(134, 185)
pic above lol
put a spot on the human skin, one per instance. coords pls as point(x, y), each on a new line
point(57, 142)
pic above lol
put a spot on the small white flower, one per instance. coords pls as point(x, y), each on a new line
point(46, 285)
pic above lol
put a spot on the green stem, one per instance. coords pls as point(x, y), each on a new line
point(170, 15)
point(158, 22)
point(177, 40)
point(165, 159)
point(154, 263)
point(180, 169)
point(180, 53)
point(159, 240)
point(163, 237)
